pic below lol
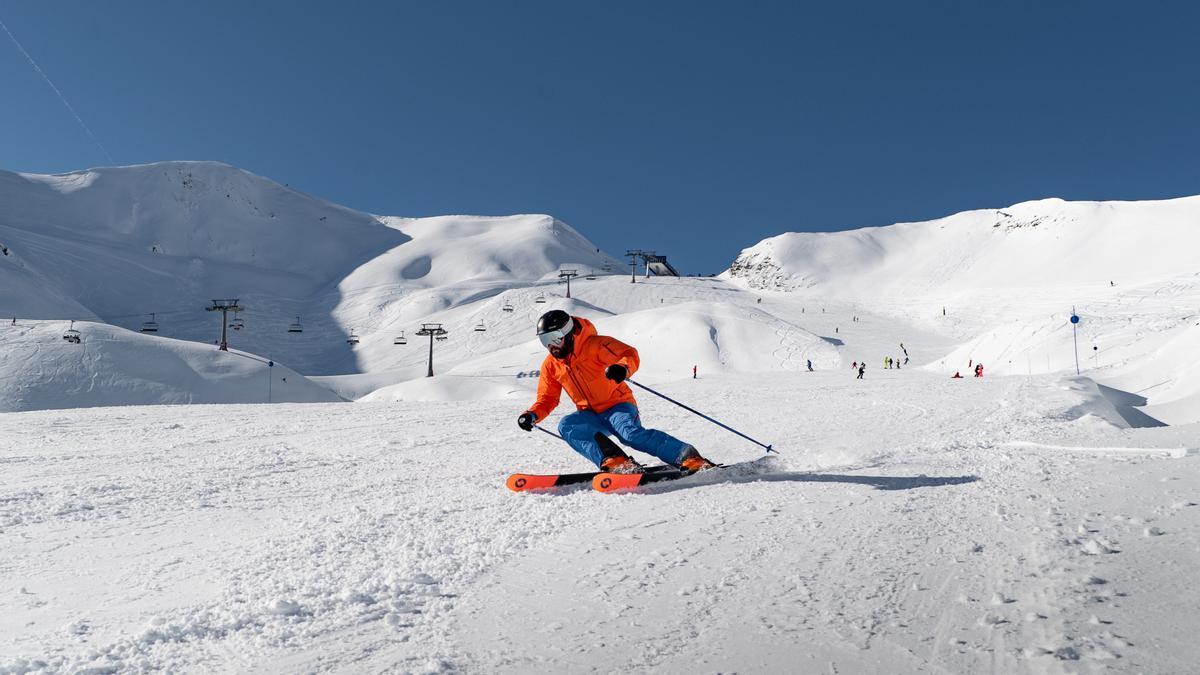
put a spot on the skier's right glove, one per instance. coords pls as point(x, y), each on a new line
point(526, 420)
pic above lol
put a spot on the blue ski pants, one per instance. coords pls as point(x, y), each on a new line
point(579, 429)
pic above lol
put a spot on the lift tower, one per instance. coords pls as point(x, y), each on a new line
point(567, 274)
point(225, 307)
point(433, 330)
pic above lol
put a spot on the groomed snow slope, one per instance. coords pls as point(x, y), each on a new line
point(110, 365)
point(1003, 283)
point(912, 524)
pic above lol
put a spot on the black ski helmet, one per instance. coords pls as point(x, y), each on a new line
point(553, 320)
point(556, 331)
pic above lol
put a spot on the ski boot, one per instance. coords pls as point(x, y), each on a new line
point(615, 460)
point(692, 462)
point(621, 463)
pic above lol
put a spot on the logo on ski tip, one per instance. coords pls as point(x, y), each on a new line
point(520, 483)
point(605, 482)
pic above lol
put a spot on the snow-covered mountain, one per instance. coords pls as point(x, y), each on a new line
point(910, 522)
point(130, 245)
point(118, 245)
point(1003, 284)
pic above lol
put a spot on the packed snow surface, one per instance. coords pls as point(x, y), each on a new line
point(911, 523)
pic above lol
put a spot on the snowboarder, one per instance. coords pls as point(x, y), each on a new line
point(956, 376)
point(593, 368)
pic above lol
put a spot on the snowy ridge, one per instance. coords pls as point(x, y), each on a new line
point(1003, 283)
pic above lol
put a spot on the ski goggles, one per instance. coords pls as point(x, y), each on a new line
point(555, 338)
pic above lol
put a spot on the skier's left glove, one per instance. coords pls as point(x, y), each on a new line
point(526, 420)
point(616, 372)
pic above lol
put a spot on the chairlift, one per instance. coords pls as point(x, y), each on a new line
point(480, 327)
point(352, 339)
point(400, 339)
point(73, 336)
point(296, 327)
point(540, 299)
point(237, 323)
point(442, 338)
point(150, 326)
point(507, 307)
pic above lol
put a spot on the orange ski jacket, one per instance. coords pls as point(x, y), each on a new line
point(582, 373)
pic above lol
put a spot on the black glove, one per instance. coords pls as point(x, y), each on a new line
point(526, 420)
point(616, 372)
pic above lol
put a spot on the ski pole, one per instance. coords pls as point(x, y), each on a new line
point(547, 431)
point(723, 426)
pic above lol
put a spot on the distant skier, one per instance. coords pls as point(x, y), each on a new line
point(978, 370)
point(592, 368)
point(896, 362)
point(862, 368)
point(810, 365)
point(693, 372)
point(956, 376)
point(854, 365)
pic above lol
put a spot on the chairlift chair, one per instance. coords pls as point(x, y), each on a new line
point(400, 339)
point(507, 307)
point(73, 336)
point(296, 327)
point(237, 324)
point(480, 327)
point(352, 339)
point(150, 326)
point(442, 338)
point(540, 299)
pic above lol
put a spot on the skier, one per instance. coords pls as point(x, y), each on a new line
point(862, 368)
point(956, 376)
point(592, 368)
point(854, 366)
point(693, 372)
point(978, 370)
point(810, 365)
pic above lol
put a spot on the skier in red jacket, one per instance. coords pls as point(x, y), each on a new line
point(592, 368)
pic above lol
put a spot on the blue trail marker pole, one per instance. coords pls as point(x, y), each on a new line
point(1075, 336)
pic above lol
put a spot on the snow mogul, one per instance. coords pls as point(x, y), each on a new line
point(592, 368)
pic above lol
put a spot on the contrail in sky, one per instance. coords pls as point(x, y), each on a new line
point(59, 93)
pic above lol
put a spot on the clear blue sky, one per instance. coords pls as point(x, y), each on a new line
point(691, 128)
